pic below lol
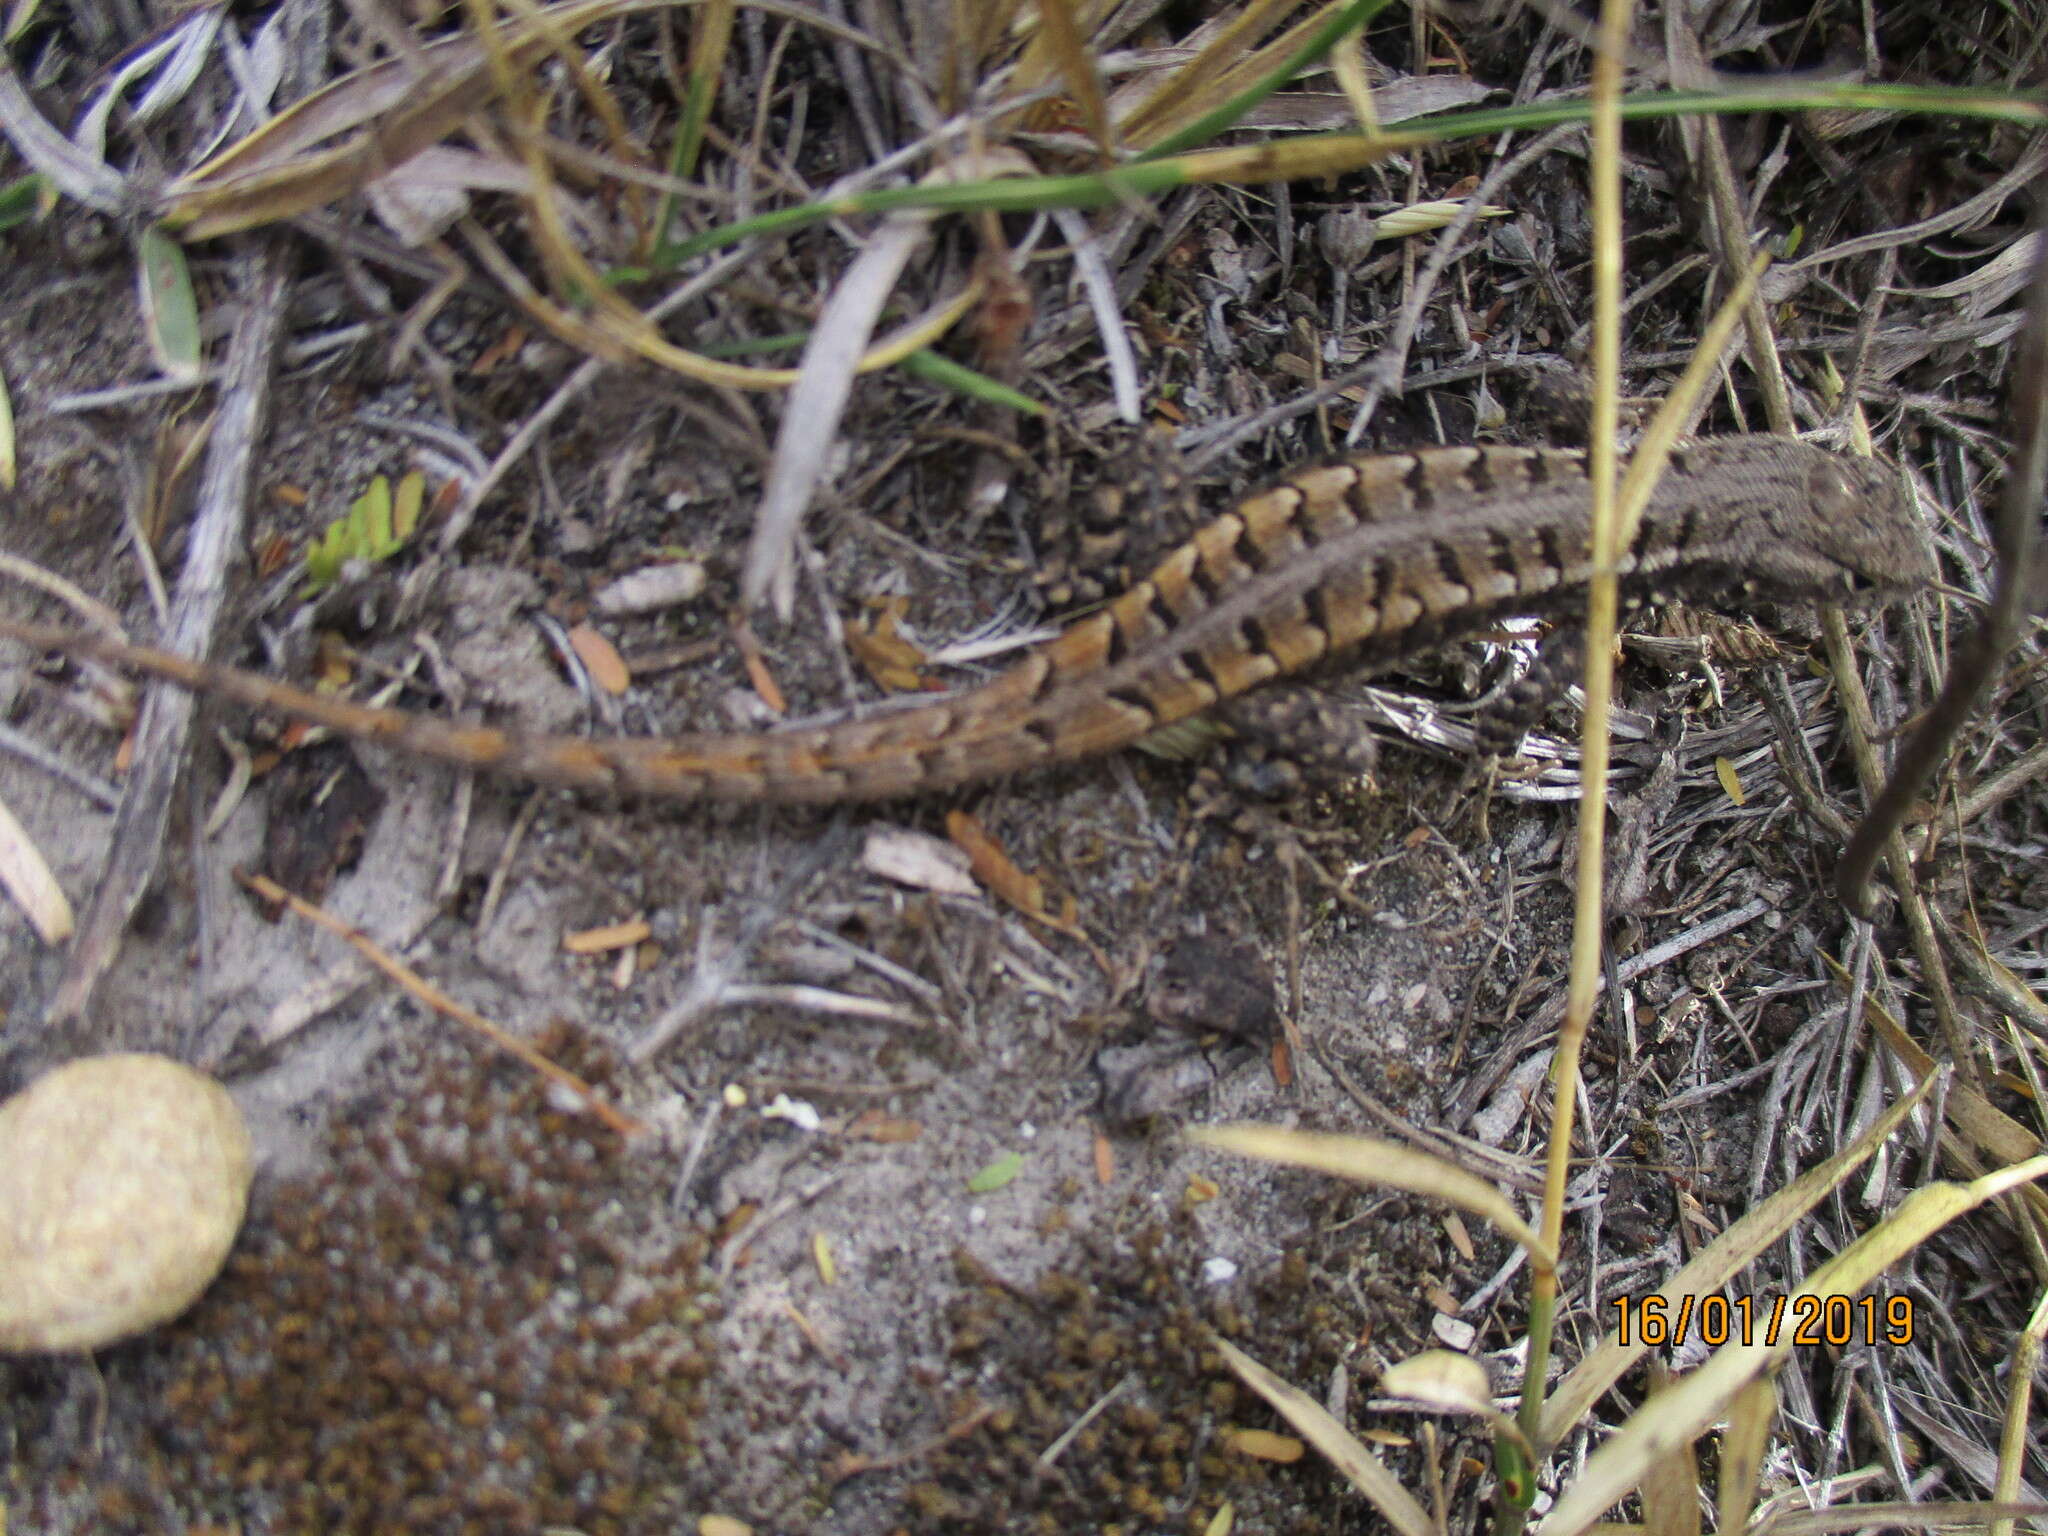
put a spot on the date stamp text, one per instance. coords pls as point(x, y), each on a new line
point(1658, 1321)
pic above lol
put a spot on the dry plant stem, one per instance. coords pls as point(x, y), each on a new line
point(1861, 730)
point(1613, 528)
point(1972, 213)
point(1602, 604)
point(165, 723)
point(1904, 1514)
point(718, 968)
point(1978, 661)
point(440, 1002)
point(1730, 226)
point(1855, 380)
point(2009, 781)
point(1979, 970)
point(2012, 1444)
point(89, 608)
point(97, 790)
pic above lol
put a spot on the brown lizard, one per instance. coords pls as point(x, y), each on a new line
point(1370, 559)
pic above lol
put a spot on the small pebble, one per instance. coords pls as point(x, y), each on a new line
point(652, 587)
point(123, 1180)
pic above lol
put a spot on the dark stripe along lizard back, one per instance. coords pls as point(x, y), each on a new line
point(1372, 559)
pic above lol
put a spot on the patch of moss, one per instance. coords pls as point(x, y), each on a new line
point(474, 1321)
point(1133, 1324)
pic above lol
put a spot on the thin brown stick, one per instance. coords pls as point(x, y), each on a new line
point(616, 1119)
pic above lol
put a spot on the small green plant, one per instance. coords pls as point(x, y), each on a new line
point(21, 199)
point(377, 526)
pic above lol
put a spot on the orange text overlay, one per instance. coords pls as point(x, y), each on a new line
point(1661, 1321)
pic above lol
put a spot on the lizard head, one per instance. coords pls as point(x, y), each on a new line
point(1851, 538)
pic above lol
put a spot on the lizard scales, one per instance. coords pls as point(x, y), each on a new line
point(1371, 559)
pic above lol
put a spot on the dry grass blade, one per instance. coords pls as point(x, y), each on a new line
point(1197, 80)
point(1743, 1444)
point(1671, 1490)
point(90, 609)
point(1720, 1262)
point(1059, 47)
point(817, 404)
point(1616, 512)
point(1370, 1161)
point(619, 334)
point(2012, 1440)
point(7, 457)
point(1682, 1414)
point(1985, 1127)
point(1983, 970)
point(1365, 1471)
point(382, 115)
point(1877, 1517)
point(389, 113)
point(1189, 117)
point(25, 875)
point(70, 169)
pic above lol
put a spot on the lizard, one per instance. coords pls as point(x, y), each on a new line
point(1370, 560)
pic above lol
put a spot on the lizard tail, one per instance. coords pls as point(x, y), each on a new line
point(978, 735)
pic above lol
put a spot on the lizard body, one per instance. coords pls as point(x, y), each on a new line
point(1371, 559)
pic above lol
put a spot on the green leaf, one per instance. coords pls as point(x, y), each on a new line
point(170, 307)
point(372, 515)
point(20, 199)
point(996, 1174)
point(18, 18)
point(378, 526)
point(405, 511)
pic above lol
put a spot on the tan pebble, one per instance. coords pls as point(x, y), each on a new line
point(123, 1180)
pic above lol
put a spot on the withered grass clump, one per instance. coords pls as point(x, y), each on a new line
point(1113, 1362)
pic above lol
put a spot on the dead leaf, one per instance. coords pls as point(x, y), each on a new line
point(27, 878)
point(1105, 1160)
point(1282, 1063)
point(1461, 1239)
point(996, 870)
point(757, 668)
point(503, 349)
point(876, 1125)
point(601, 659)
point(1266, 1445)
point(598, 941)
point(892, 661)
point(1731, 781)
point(918, 860)
point(272, 554)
